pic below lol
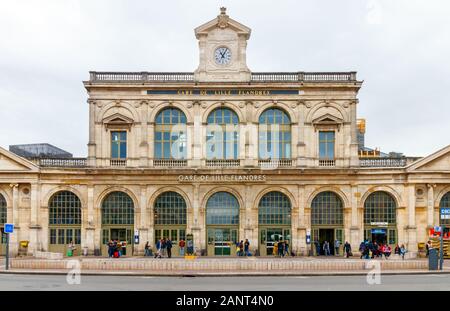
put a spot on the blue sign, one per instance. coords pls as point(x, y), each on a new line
point(9, 228)
point(308, 239)
point(378, 231)
point(445, 213)
point(437, 229)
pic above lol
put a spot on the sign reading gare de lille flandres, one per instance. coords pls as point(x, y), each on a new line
point(212, 92)
point(222, 178)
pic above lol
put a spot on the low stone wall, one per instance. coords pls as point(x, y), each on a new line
point(232, 265)
point(48, 255)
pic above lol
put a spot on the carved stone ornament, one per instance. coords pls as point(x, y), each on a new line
point(241, 105)
point(308, 105)
point(204, 105)
point(151, 105)
point(293, 105)
point(223, 18)
point(189, 105)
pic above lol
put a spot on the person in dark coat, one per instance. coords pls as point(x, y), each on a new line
point(347, 249)
point(169, 248)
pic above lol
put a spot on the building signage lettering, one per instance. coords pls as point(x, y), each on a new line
point(222, 178)
point(223, 92)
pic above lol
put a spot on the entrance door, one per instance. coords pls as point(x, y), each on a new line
point(270, 236)
point(174, 234)
point(326, 235)
point(122, 235)
point(60, 239)
point(222, 241)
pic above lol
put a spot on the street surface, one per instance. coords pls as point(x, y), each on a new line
point(316, 283)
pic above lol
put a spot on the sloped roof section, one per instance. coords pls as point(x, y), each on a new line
point(222, 21)
point(438, 161)
point(12, 162)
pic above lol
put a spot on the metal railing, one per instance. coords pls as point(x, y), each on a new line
point(60, 162)
point(223, 163)
point(169, 163)
point(98, 76)
point(383, 162)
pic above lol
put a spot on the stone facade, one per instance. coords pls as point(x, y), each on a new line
point(313, 102)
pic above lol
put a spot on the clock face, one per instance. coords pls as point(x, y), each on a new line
point(222, 56)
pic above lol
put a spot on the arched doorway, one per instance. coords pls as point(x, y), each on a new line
point(118, 221)
point(274, 221)
point(3, 220)
point(64, 222)
point(327, 221)
point(445, 203)
point(222, 224)
point(380, 218)
point(170, 218)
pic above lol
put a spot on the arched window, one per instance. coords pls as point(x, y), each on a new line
point(327, 209)
point(170, 209)
point(170, 134)
point(274, 135)
point(222, 134)
point(445, 203)
point(274, 209)
point(64, 208)
point(3, 210)
point(222, 208)
point(380, 207)
point(117, 209)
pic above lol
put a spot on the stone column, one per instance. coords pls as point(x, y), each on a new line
point(145, 137)
point(411, 228)
point(91, 160)
point(301, 247)
point(196, 136)
point(356, 228)
point(35, 243)
point(14, 218)
point(199, 242)
point(247, 223)
point(430, 206)
point(90, 226)
point(354, 158)
point(144, 226)
point(300, 144)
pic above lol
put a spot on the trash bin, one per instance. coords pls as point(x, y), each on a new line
point(85, 251)
point(433, 259)
point(23, 248)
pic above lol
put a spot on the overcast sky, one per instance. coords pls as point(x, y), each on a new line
point(400, 49)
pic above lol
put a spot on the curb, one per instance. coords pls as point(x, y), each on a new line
point(221, 274)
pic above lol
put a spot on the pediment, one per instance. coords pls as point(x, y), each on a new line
point(118, 119)
point(327, 119)
point(438, 161)
point(12, 162)
point(222, 21)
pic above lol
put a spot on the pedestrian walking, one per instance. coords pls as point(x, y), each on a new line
point(326, 248)
point(403, 251)
point(246, 247)
point(181, 244)
point(347, 249)
point(169, 248)
point(147, 249)
point(337, 245)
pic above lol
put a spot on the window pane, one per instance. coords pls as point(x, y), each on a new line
point(222, 208)
point(170, 209)
point(274, 208)
point(117, 209)
point(327, 209)
point(123, 150)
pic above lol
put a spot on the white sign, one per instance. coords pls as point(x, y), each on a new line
point(381, 224)
point(445, 213)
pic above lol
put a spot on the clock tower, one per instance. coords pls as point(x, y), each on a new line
point(222, 44)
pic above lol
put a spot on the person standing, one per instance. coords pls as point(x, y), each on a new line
point(169, 248)
point(403, 251)
point(317, 248)
point(181, 244)
point(326, 248)
point(337, 244)
point(347, 249)
point(286, 247)
point(246, 247)
point(146, 249)
point(110, 248)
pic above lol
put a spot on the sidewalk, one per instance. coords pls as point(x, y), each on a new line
point(206, 266)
